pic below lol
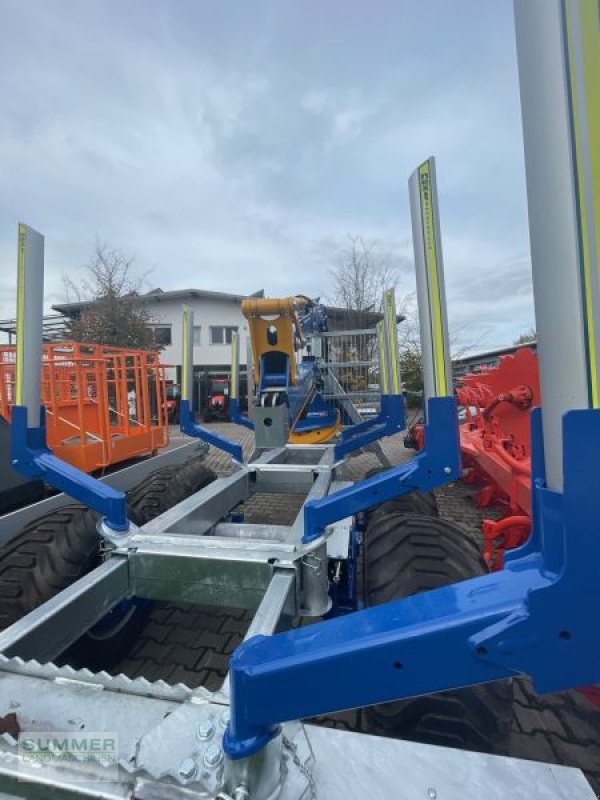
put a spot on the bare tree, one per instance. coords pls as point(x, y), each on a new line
point(359, 280)
point(361, 276)
point(462, 342)
point(112, 311)
point(527, 337)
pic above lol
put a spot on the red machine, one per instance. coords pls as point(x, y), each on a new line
point(495, 443)
point(217, 400)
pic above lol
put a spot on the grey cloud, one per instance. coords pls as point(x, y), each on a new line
point(233, 146)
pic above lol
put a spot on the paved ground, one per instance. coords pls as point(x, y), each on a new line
point(192, 645)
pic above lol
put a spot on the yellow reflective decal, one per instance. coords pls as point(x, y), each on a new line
point(394, 378)
point(582, 23)
point(433, 285)
point(234, 365)
point(383, 375)
point(21, 252)
point(185, 354)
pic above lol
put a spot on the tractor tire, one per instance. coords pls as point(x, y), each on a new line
point(54, 551)
point(193, 476)
point(48, 555)
point(409, 553)
point(412, 503)
point(164, 488)
point(106, 643)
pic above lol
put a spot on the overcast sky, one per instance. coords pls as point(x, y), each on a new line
point(234, 145)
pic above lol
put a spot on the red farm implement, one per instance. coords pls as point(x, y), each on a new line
point(495, 444)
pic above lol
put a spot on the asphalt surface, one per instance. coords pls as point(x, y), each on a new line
point(192, 644)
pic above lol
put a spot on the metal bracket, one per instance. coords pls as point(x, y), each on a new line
point(236, 416)
point(31, 457)
point(535, 617)
point(190, 428)
point(438, 463)
point(390, 420)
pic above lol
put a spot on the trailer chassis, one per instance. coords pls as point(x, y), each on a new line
point(172, 739)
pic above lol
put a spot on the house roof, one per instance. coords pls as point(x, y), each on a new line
point(339, 318)
point(496, 353)
point(160, 296)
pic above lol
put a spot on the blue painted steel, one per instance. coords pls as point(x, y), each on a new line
point(190, 428)
point(236, 416)
point(307, 377)
point(31, 457)
point(317, 415)
point(111, 622)
point(438, 463)
point(343, 589)
point(274, 371)
point(313, 319)
point(537, 616)
point(390, 420)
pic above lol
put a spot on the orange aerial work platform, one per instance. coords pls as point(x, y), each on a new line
point(103, 404)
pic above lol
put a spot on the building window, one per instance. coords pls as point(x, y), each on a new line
point(221, 334)
point(197, 340)
point(162, 336)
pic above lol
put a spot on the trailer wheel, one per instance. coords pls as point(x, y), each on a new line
point(57, 549)
point(166, 487)
point(409, 553)
point(411, 503)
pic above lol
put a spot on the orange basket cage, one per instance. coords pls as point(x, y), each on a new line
point(103, 404)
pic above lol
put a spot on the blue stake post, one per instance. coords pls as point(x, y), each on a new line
point(30, 453)
point(187, 421)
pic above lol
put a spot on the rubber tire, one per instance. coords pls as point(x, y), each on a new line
point(412, 503)
point(409, 553)
point(55, 550)
point(157, 493)
point(48, 555)
point(165, 487)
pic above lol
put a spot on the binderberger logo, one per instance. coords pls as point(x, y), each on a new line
point(91, 755)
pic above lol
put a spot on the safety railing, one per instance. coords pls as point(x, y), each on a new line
point(103, 404)
point(350, 365)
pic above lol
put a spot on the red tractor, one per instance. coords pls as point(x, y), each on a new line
point(217, 400)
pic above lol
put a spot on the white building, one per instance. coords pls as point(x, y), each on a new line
point(216, 315)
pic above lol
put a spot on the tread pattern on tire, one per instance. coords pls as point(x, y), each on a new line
point(412, 503)
point(55, 550)
point(50, 554)
point(410, 553)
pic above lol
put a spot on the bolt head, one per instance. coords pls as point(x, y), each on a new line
point(447, 470)
point(187, 768)
point(213, 755)
point(225, 717)
point(205, 730)
point(431, 793)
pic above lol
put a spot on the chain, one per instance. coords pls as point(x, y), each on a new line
point(241, 793)
point(293, 749)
